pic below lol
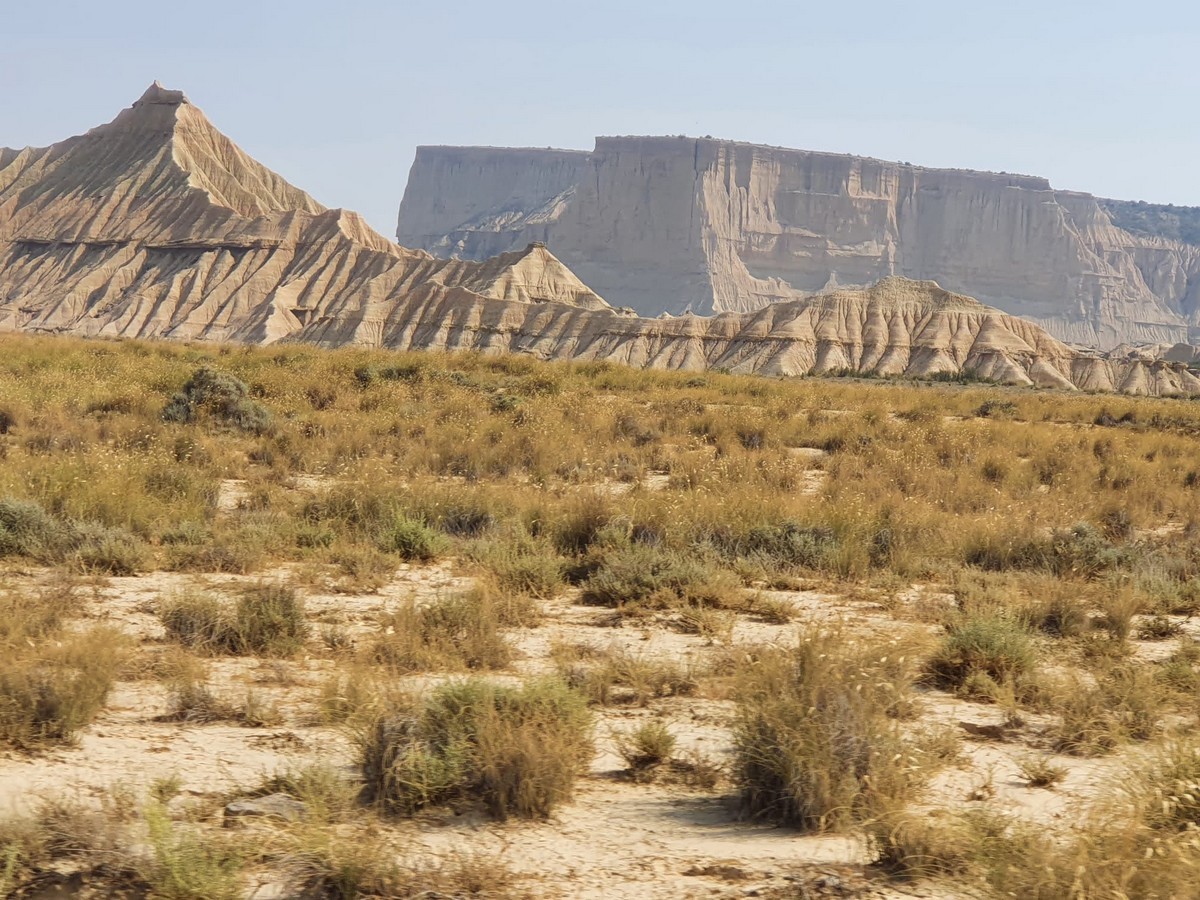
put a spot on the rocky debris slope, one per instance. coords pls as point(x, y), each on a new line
point(157, 226)
point(678, 224)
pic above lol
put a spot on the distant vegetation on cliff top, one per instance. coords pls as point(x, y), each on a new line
point(1179, 223)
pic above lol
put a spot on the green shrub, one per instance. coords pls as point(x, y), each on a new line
point(516, 750)
point(199, 621)
point(222, 397)
point(522, 567)
point(644, 576)
point(270, 620)
point(105, 550)
point(1057, 612)
point(983, 645)
point(412, 540)
point(186, 866)
point(362, 568)
point(786, 545)
point(28, 530)
point(1080, 551)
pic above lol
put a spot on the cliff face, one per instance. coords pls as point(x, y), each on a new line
point(157, 226)
point(675, 224)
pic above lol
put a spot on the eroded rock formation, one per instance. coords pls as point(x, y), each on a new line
point(677, 224)
point(157, 226)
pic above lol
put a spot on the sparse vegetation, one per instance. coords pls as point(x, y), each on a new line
point(518, 751)
point(184, 865)
point(50, 690)
point(662, 526)
point(646, 748)
point(981, 650)
point(268, 619)
point(816, 741)
point(456, 632)
point(1040, 772)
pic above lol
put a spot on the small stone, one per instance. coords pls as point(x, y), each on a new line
point(272, 806)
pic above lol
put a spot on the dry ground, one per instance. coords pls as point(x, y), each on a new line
point(683, 532)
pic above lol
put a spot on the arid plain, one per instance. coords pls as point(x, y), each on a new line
point(289, 622)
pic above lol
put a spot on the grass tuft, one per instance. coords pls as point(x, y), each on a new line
point(456, 632)
point(518, 751)
point(816, 746)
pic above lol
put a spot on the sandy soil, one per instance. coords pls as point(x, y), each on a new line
point(618, 839)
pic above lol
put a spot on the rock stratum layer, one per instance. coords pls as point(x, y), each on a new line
point(679, 224)
point(157, 226)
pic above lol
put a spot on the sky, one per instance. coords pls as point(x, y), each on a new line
point(1098, 97)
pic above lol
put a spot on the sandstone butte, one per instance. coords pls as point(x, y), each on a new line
point(157, 226)
point(672, 224)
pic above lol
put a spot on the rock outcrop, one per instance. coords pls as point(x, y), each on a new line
point(678, 224)
point(157, 226)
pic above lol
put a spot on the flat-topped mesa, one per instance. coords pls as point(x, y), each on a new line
point(670, 224)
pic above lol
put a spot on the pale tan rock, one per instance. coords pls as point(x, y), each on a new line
point(895, 328)
point(158, 226)
point(675, 224)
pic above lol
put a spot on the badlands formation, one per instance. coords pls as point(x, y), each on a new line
point(676, 224)
point(157, 226)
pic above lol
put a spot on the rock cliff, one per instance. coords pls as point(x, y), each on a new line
point(678, 224)
point(157, 226)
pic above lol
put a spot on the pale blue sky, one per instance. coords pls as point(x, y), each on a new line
point(1098, 96)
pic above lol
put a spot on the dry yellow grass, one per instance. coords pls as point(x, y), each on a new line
point(1034, 542)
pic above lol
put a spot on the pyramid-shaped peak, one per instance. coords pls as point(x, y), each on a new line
point(157, 95)
point(159, 168)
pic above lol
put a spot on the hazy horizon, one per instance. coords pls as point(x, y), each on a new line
point(336, 100)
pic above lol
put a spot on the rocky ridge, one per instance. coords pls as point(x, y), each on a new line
point(678, 224)
point(157, 226)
